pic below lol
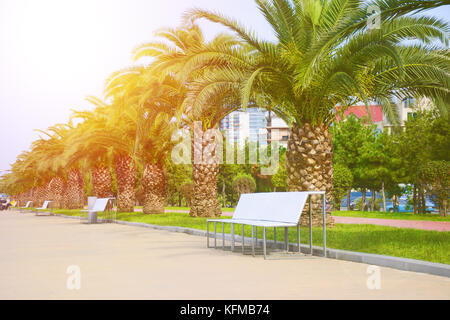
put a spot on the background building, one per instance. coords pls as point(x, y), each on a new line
point(277, 130)
point(255, 124)
point(241, 126)
point(407, 109)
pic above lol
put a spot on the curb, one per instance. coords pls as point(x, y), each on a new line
point(405, 264)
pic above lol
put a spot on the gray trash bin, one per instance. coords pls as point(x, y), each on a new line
point(92, 217)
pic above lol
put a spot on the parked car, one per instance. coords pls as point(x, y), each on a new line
point(355, 201)
point(4, 204)
point(406, 206)
point(401, 207)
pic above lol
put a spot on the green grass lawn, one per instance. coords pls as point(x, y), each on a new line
point(361, 214)
point(431, 246)
point(391, 215)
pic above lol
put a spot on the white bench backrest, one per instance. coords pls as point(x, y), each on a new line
point(272, 206)
point(100, 205)
point(45, 205)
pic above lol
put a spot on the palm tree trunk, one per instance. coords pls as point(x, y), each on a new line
point(309, 162)
point(154, 182)
point(384, 196)
point(47, 192)
point(64, 197)
point(101, 182)
point(205, 200)
point(56, 189)
point(126, 180)
point(74, 189)
point(39, 196)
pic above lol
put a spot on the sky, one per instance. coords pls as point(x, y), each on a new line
point(54, 53)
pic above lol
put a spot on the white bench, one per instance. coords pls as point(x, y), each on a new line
point(45, 206)
point(270, 210)
point(12, 206)
point(100, 205)
point(27, 205)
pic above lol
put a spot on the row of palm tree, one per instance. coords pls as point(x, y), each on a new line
point(326, 55)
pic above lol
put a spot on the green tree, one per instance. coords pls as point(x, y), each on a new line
point(435, 175)
point(279, 179)
point(415, 149)
point(187, 190)
point(177, 176)
point(349, 137)
point(343, 181)
point(227, 172)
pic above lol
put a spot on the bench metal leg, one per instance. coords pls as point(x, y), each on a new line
point(232, 237)
point(215, 236)
point(243, 240)
point(264, 243)
point(207, 234)
point(298, 238)
point(275, 236)
point(286, 239)
point(253, 241)
point(223, 235)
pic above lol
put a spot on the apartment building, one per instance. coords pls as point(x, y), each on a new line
point(242, 126)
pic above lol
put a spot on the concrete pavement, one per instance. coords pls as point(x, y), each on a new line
point(125, 262)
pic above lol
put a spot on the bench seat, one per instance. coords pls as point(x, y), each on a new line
point(257, 223)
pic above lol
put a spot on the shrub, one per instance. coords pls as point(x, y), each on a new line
point(244, 184)
point(187, 190)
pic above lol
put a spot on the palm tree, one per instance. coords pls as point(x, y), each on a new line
point(174, 57)
point(116, 135)
point(158, 107)
point(83, 145)
point(151, 103)
point(23, 181)
point(44, 161)
point(75, 192)
point(327, 55)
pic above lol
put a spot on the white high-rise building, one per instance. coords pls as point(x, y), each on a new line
point(242, 126)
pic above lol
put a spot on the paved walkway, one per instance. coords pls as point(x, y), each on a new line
point(124, 262)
